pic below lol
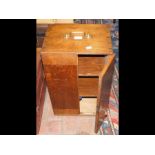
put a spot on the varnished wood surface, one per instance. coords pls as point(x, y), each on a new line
point(105, 82)
point(66, 112)
point(88, 87)
point(59, 59)
point(42, 24)
point(100, 43)
point(90, 66)
point(61, 77)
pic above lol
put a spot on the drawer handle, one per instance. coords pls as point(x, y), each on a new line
point(77, 35)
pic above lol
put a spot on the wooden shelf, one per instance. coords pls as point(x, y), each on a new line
point(88, 106)
point(90, 66)
point(88, 87)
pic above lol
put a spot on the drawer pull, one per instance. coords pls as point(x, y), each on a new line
point(77, 35)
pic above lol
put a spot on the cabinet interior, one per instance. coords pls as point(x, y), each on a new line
point(89, 69)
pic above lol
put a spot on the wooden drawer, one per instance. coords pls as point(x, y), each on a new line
point(90, 65)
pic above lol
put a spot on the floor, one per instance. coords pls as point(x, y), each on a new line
point(64, 125)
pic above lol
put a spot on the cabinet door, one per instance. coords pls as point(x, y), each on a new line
point(61, 76)
point(105, 82)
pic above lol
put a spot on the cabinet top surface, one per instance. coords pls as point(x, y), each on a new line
point(78, 38)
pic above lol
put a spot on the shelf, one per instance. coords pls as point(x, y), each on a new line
point(90, 65)
point(88, 106)
point(88, 87)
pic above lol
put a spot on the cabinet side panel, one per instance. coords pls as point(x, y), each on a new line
point(61, 76)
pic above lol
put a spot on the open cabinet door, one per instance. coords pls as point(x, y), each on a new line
point(105, 82)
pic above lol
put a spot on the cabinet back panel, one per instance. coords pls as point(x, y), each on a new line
point(90, 66)
point(88, 87)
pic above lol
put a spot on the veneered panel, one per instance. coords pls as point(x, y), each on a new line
point(61, 76)
point(105, 82)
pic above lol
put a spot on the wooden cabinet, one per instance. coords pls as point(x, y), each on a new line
point(78, 64)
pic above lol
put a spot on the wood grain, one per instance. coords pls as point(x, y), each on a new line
point(76, 68)
point(88, 87)
point(105, 82)
point(59, 59)
point(66, 112)
point(61, 76)
point(90, 66)
point(100, 41)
